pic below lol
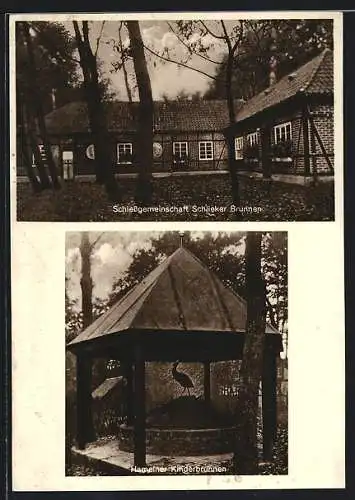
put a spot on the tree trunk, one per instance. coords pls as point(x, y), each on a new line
point(86, 280)
point(124, 69)
point(102, 144)
point(32, 136)
point(246, 453)
point(37, 105)
point(232, 164)
point(26, 151)
point(146, 110)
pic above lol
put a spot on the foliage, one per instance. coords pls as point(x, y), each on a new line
point(274, 268)
point(222, 254)
point(53, 51)
point(279, 463)
point(291, 42)
point(282, 149)
point(56, 63)
point(251, 151)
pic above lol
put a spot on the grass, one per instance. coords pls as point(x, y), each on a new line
point(86, 201)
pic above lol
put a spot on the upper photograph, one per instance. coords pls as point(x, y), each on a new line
point(185, 119)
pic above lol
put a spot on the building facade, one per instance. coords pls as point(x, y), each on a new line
point(288, 128)
point(187, 137)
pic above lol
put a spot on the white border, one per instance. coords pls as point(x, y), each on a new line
point(316, 325)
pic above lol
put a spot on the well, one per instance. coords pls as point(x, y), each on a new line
point(180, 311)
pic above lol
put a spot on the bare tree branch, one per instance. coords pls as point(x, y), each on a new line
point(99, 38)
point(96, 241)
point(124, 69)
point(227, 39)
point(167, 59)
point(189, 48)
point(220, 37)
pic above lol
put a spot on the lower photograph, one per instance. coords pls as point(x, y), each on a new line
point(176, 353)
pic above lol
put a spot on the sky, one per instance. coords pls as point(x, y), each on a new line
point(111, 257)
point(166, 78)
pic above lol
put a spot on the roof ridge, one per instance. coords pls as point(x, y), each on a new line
point(244, 302)
point(148, 289)
point(316, 69)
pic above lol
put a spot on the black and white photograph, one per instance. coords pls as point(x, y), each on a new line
point(176, 353)
point(177, 251)
point(185, 119)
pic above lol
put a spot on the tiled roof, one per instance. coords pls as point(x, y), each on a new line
point(314, 77)
point(181, 294)
point(172, 116)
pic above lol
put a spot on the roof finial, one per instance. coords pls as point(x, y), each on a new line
point(181, 234)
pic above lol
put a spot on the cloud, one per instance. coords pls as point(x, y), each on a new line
point(169, 40)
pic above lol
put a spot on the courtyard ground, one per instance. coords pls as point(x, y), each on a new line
point(180, 199)
point(82, 465)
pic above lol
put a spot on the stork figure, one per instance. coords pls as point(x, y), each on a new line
point(183, 379)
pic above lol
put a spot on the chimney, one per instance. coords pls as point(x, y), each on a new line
point(53, 96)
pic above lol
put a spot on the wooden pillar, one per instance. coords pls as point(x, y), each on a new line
point(207, 381)
point(85, 428)
point(269, 401)
point(265, 143)
point(306, 150)
point(129, 392)
point(139, 408)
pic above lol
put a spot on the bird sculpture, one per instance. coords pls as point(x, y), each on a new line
point(183, 379)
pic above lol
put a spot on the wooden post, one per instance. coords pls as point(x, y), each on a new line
point(129, 392)
point(207, 381)
point(265, 139)
point(269, 402)
point(306, 150)
point(85, 428)
point(139, 408)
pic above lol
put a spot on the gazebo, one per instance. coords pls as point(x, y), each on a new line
point(180, 311)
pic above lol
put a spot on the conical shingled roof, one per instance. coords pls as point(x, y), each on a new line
point(180, 294)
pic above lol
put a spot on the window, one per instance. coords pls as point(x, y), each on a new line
point(205, 150)
point(124, 152)
point(283, 132)
point(68, 172)
point(238, 144)
point(253, 139)
point(180, 152)
point(282, 147)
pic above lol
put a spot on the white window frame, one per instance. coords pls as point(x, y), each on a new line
point(177, 149)
point(253, 138)
point(283, 132)
point(68, 164)
point(239, 147)
point(125, 145)
point(205, 154)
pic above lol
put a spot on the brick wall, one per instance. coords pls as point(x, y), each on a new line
point(324, 121)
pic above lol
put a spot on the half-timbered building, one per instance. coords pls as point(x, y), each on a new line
point(187, 137)
point(288, 128)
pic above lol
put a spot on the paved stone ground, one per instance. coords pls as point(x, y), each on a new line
point(106, 452)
